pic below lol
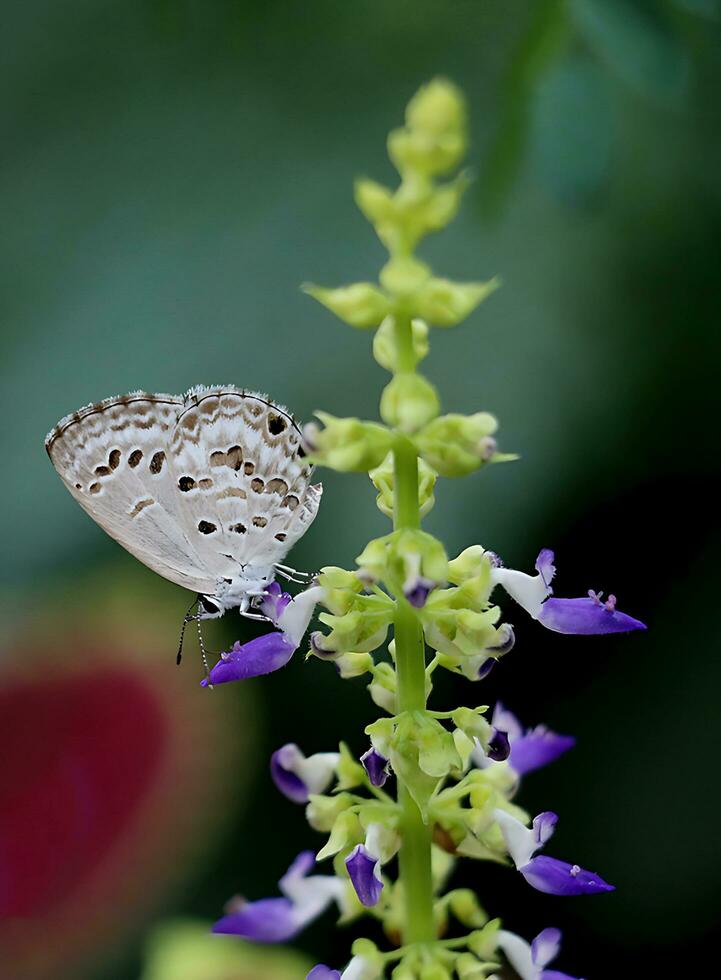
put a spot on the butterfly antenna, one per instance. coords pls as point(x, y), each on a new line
point(187, 619)
point(202, 649)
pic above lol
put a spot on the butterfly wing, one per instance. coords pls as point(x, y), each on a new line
point(243, 476)
point(113, 458)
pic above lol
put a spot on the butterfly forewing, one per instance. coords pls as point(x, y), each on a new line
point(194, 487)
point(243, 477)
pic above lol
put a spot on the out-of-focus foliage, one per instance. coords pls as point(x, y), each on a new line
point(576, 59)
point(186, 950)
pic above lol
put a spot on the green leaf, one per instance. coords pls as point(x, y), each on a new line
point(573, 129)
point(640, 48)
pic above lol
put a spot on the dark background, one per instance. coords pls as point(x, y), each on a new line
point(171, 172)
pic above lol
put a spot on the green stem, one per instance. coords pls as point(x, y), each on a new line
point(415, 854)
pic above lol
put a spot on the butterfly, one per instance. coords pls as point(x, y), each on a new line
point(210, 489)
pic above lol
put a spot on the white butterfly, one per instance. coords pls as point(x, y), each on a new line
point(210, 489)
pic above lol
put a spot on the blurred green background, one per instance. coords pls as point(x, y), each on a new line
point(171, 172)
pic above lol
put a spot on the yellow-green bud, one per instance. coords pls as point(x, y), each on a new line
point(409, 402)
point(382, 688)
point(346, 832)
point(374, 200)
point(385, 349)
point(361, 305)
point(434, 971)
point(403, 275)
point(351, 665)
point(349, 444)
point(350, 772)
point(444, 303)
point(323, 811)
point(455, 445)
point(464, 904)
point(484, 942)
point(471, 563)
point(437, 107)
point(470, 968)
point(383, 478)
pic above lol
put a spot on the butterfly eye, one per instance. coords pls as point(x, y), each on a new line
point(208, 606)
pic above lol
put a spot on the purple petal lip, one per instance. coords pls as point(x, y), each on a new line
point(376, 765)
point(287, 782)
point(274, 602)
point(486, 667)
point(270, 920)
point(545, 947)
point(554, 877)
point(322, 972)
point(543, 826)
point(545, 567)
point(418, 591)
point(262, 655)
point(319, 648)
point(555, 975)
point(361, 867)
point(538, 748)
point(499, 746)
point(586, 616)
point(507, 644)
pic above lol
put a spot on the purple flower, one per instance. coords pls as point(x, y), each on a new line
point(530, 961)
point(298, 777)
point(417, 590)
point(554, 877)
point(376, 765)
point(274, 602)
point(499, 746)
point(531, 748)
point(276, 920)
point(322, 972)
point(262, 655)
point(545, 874)
point(364, 870)
point(272, 651)
point(586, 615)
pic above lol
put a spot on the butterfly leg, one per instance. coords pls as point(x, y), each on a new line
point(292, 575)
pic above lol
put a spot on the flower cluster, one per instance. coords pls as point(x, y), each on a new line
point(429, 787)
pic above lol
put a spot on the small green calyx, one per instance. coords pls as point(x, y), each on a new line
point(362, 304)
point(445, 304)
point(403, 276)
point(400, 558)
point(385, 343)
point(323, 811)
point(349, 445)
point(409, 402)
point(383, 479)
point(455, 445)
point(484, 942)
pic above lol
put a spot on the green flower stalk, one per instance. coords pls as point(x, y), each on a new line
point(456, 771)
